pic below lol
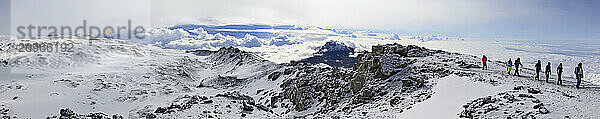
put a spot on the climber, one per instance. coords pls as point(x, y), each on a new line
point(578, 74)
point(538, 67)
point(509, 65)
point(548, 71)
point(517, 63)
point(484, 60)
point(559, 70)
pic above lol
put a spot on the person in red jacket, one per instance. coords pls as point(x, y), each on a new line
point(484, 60)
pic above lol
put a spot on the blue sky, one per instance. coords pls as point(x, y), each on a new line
point(516, 19)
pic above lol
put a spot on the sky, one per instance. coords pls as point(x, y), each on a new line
point(515, 19)
point(73, 13)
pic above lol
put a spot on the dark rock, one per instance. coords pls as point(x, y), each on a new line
point(235, 96)
point(247, 108)
point(543, 110)
point(467, 113)
point(465, 65)
point(117, 116)
point(273, 76)
point(67, 113)
point(533, 91)
point(260, 90)
point(160, 110)
point(525, 95)
point(535, 101)
point(509, 97)
point(567, 95)
point(264, 108)
point(518, 88)
point(538, 105)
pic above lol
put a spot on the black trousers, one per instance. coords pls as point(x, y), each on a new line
point(559, 81)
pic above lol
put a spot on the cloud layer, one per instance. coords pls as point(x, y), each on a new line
point(539, 19)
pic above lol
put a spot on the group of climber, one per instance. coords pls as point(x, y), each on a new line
point(538, 67)
point(517, 63)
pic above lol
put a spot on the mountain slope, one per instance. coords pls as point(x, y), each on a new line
point(114, 78)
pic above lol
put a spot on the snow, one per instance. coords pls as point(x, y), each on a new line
point(451, 93)
point(66, 80)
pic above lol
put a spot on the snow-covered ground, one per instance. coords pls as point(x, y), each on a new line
point(451, 93)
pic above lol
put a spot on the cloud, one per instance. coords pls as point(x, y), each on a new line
point(201, 39)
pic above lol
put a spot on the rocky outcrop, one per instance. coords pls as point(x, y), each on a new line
point(4, 113)
point(234, 55)
point(518, 103)
point(67, 113)
point(395, 74)
point(386, 60)
point(221, 82)
point(303, 84)
point(406, 51)
point(221, 105)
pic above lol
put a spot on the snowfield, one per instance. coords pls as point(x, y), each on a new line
point(450, 94)
point(197, 72)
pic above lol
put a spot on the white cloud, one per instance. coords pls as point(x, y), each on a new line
point(165, 36)
point(201, 39)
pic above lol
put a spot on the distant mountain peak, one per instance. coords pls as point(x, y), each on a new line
point(335, 47)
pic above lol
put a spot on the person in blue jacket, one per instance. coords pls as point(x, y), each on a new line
point(517, 63)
